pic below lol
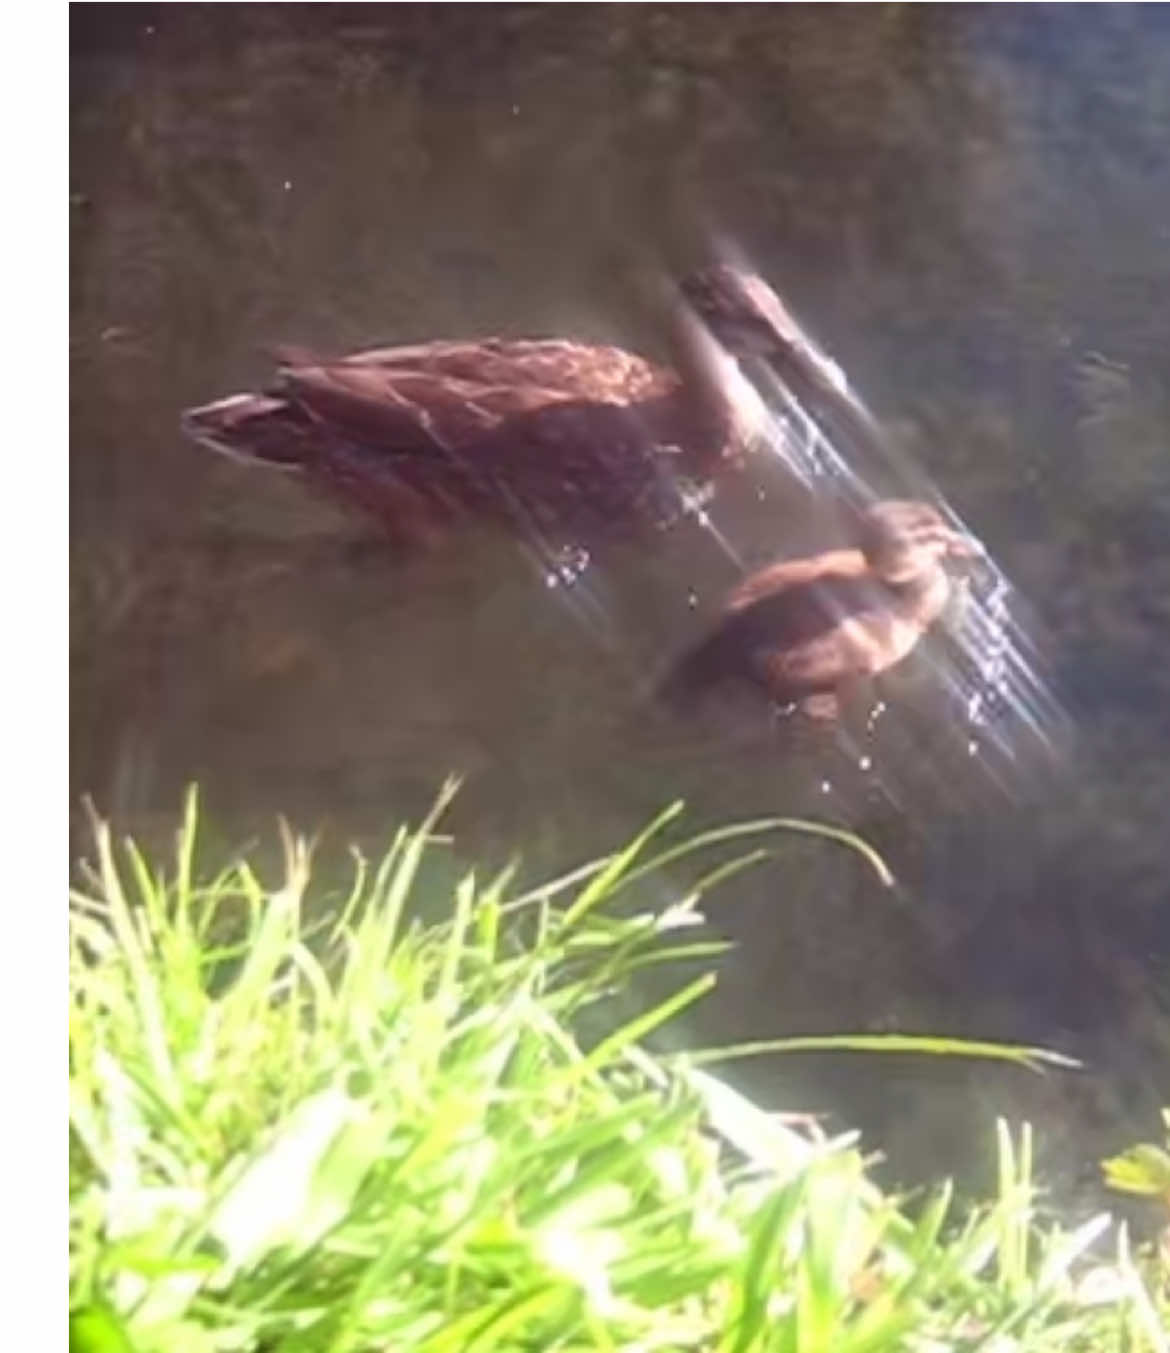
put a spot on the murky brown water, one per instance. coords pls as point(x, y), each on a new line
point(970, 206)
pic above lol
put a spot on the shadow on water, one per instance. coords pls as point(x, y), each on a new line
point(973, 214)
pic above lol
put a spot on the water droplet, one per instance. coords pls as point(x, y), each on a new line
point(515, 109)
point(972, 748)
point(865, 763)
point(826, 787)
point(692, 598)
point(761, 495)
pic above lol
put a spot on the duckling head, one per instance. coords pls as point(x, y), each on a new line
point(905, 541)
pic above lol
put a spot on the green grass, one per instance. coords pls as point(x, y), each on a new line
point(356, 1132)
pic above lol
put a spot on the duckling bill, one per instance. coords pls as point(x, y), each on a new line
point(803, 631)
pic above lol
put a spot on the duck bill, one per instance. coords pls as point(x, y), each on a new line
point(965, 555)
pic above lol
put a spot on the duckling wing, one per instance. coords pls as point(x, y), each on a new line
point(827, 635)
point(794, 641)
point(790, 574)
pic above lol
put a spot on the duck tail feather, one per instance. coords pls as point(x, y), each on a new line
point(250, 428)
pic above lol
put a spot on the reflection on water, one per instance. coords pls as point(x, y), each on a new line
point(972, 215)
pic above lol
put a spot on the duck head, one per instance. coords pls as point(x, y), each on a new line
point(743, 313)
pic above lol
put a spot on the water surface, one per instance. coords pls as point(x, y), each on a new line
point(970, 207)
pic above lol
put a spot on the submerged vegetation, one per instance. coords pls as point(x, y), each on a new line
point(303, 1122)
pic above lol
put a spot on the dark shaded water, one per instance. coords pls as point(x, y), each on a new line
point(971, 206)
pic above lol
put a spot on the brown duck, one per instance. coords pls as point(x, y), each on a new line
point(803, 631)
point(567, 442)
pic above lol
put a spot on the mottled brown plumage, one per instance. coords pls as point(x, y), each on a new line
point(802, 631)
point(568, 442)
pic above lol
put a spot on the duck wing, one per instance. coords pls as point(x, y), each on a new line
point(404, 411)
point(433, 397)
point(559, 368)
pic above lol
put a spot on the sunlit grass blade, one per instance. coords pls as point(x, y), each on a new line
point(603, 884)
point(1032, 1058)
point(304, 1128)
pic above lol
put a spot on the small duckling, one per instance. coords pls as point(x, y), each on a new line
point(804, 631)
